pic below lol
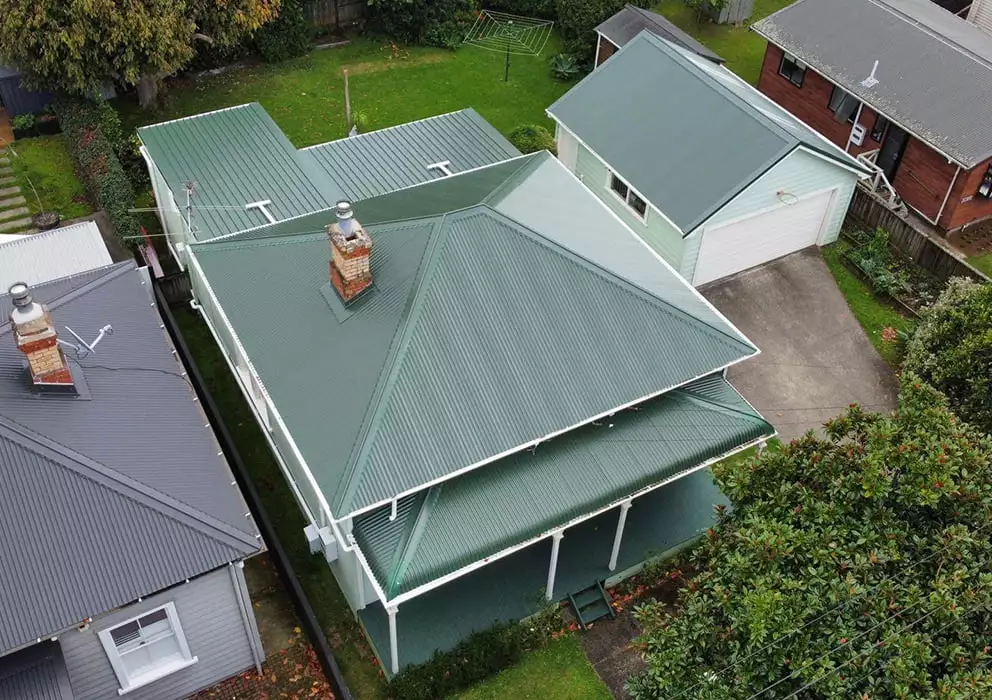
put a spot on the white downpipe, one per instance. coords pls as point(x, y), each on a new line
point(394, 657)
point(556, 539)
point(618, 538)
point(947, 196)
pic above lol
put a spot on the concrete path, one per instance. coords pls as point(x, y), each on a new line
point(15, 217)
point(608, 647)
point(815, 358)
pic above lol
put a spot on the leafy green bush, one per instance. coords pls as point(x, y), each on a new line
point(23, 123)
point(564, 66)
point(577, 22)
point(96, 161)
point(952, 349)
point(529, 138)
point(287, 36)
point(545, 9)
point(414, 21)
point(481, 655)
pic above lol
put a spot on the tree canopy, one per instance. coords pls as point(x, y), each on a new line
point(857, 565)
point(76, 46)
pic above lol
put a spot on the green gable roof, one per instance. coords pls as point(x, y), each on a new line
point(694, 135)
point(442, 529)
point(235, 157)
point(482, 333)
point(377, 162)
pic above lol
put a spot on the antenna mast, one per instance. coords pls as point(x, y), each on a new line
point(190, 188)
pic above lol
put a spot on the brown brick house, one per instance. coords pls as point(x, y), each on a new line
point(921, 114)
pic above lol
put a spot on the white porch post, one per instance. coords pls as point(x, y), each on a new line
point(394, 659)
point(618, 538)
point(555, 545)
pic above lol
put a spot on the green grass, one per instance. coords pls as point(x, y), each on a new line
point(983, 262)
point(344, 635)
point(560, 671)
point(44, 161)
point(743, 50)
point(872, 313)
point(390, 86)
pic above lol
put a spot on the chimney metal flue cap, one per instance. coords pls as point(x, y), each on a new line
point(343, 210)
point(21, 294)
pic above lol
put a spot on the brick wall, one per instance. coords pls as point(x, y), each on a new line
point(964, 205)
point(606, 49)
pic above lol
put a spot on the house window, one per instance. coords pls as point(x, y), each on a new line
point(147, 648)
point(623, 192)
point(878, 131)
point(985, 188)
point(792, 69)
point(844, 105)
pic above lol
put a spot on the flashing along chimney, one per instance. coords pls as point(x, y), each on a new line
point(351, 247)
point(36, 337)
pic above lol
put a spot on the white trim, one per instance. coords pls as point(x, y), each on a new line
point(263, 206)
point(767, 210)
point(861, 174)
point(595, 61)
point(447, 578)
point(610, 176)
point(394, 657)
point(385, 128)
point(947, 196)
point(877, 110)
point(549, 588)
point(196, 116)
point(611, 168)
point(618, 537)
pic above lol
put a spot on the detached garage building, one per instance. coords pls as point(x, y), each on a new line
point(708, 171)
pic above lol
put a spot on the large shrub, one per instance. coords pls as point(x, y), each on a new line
point(416, 21)
point(952, 349)
point(577, 22)
point(529, 138)
point(289, 35)
point(852, 566)
point(91, 128)
point(545, 9)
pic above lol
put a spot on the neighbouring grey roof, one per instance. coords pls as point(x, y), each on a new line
point(9, 71)
point(235, 156)
point(378, 162)
point(632, 20)
point(115, 493)
point(35, 673)
point(493, 322)
point(691, 136)
point(42, 257)
point(442, 529)
point(934, 68)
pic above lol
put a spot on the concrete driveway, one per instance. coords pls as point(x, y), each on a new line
point(815, 358)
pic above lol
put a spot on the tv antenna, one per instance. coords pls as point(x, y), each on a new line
point(85, 349)
point(190, 189)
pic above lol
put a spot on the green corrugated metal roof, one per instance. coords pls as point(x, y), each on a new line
point(377, 162)
point(692, 135)
point(477, 515)
point(481, 335)
point(235, 156)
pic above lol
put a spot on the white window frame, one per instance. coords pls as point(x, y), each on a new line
point(643, 218)
point(127, 683)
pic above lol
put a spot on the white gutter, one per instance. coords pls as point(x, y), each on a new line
point(948, 195)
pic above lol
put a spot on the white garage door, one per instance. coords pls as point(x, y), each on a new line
point(761, 238)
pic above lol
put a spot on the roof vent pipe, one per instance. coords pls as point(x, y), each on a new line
point(346, 219)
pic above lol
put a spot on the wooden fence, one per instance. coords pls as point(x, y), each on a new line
point(327, 14)
point(176, 288)
point(925, 249)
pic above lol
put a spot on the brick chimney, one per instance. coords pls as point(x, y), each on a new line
point(350, 250)
point(37, 338)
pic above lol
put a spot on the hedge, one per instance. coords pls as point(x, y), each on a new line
point(529, 138)
point(479, 656)
point(84, 124)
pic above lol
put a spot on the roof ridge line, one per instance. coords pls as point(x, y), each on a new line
point(397, 351)
point(124, 485)
point(610, 276)
point(201, 114)
point(412, 540)
point(385, 128)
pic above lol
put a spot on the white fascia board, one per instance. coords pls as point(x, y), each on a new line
point(437, 583)
point(609, 167)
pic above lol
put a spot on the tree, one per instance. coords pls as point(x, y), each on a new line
point(952, 349)
point(76, 46)
point(853, 566)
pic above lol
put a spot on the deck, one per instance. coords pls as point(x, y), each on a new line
point(513, 587)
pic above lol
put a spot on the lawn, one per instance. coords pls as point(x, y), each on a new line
point(873, 314)
point(389, 84)
point(743, 50)
point(350, 648)
point(44, 162)
point(560, 671)
point(983, 262)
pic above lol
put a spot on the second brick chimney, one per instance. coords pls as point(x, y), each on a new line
point(351, 247)
point(36, 337)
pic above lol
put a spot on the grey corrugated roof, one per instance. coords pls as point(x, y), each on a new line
point(49, 255)
point(115, 493)
point(632, 20)
point(467, 519)
point(35, 673)
point(934, 69)
point(382, 161)
point(691, 136)
point(235, 157)
point(484, 332)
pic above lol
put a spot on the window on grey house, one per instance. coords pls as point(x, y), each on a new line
point(147, 648)
point(623, 192)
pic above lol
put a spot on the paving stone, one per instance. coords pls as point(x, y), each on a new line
point(4, 161)
point(6, 170)
point(9, 191)
point(12, 202)
point(14, 225)
point(11, 213)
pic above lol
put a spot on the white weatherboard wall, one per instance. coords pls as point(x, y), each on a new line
point(981, 14)
point(568, 148)
point(169, 215)
point(801, 174)
point(212, 623)
point(656, 231)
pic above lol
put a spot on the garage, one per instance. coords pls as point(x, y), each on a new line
point(766, 236)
